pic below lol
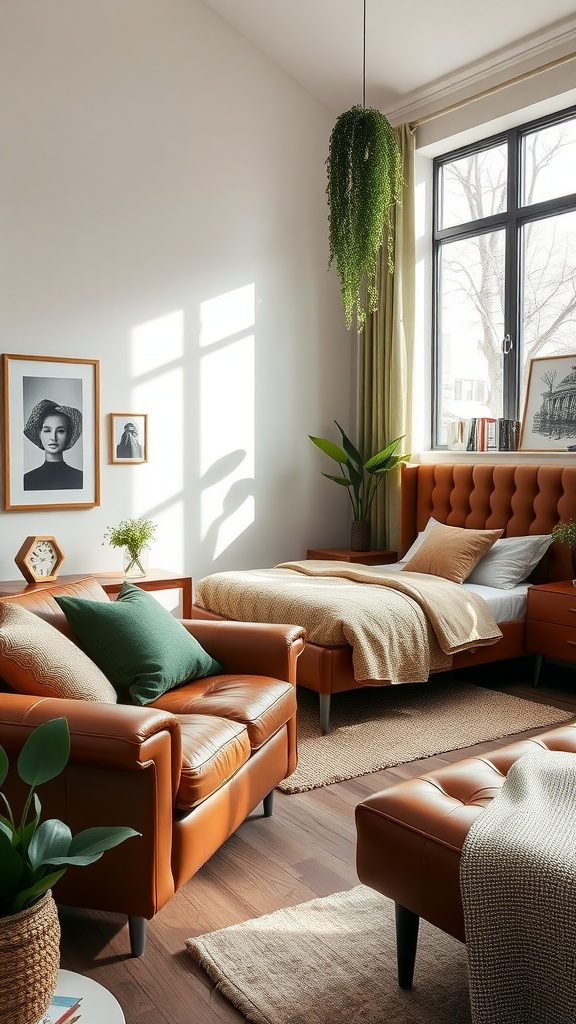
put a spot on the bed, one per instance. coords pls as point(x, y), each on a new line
point(519, 500)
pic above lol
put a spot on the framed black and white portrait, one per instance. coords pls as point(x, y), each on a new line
point(128, 437)
point(51, 432)
point(549, 418)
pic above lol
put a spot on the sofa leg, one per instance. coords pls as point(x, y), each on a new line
point(137, 932)
point(407, 924)
point(324, 713)
point(268, 804)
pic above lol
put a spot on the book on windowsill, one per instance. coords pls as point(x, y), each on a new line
point(508, 435)
point(471, 441)
point(62, 1010)
point(482, 434)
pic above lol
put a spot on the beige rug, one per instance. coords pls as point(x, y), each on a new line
point(378, 727)
point(333, 961)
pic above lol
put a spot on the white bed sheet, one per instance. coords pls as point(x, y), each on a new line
point(504, 605)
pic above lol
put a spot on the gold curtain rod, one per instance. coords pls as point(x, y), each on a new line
point(493, 89)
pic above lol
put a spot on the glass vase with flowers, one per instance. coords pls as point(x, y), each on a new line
point(134, 535)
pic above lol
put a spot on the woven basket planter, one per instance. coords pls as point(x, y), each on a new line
point(29, 961)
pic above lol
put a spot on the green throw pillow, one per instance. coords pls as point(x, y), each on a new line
point(137, 643)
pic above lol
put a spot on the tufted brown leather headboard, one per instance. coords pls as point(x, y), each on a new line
point(518, 499)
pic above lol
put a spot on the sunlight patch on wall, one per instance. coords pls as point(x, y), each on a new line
point(226, 315)
point(157, 342)
point(227, 417)
point(157, 389)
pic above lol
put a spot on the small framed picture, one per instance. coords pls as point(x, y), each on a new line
point(549, 418)
point(51, 432)
point(128, 437)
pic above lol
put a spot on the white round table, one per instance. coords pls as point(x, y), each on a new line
point(98, 1004)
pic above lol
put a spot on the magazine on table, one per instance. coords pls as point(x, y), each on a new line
point(62, 1010)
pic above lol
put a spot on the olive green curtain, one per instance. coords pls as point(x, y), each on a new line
point(385, 358)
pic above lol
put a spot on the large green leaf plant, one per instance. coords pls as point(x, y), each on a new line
point(35, 854)
point(360, 477)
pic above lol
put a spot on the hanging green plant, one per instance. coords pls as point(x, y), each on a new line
point(364, 182)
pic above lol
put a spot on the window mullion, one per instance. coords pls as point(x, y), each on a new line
point(511, 357)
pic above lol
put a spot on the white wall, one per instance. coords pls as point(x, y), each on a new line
point(162, 210)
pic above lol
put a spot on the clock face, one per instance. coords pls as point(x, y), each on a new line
point(43, 557)
point(39, 559)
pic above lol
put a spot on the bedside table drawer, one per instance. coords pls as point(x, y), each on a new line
point(551, 640)
point(549, 607)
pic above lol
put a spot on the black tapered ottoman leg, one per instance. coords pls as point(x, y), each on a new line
point(407, 924)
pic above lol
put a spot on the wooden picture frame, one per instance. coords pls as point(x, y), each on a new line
point(549, 416)
point(51, 432)
point(128, 437)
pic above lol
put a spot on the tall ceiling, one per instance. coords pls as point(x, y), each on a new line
point(420, 55)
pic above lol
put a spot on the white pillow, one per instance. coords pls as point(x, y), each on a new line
point(509, 561)
point(420, 539)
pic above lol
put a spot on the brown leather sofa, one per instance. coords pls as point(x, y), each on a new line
point(184, 772)
point(410, 838)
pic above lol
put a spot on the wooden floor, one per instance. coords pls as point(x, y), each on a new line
point(306, 849)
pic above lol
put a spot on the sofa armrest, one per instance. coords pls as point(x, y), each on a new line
point(252, 648)
point(124, 769)
point(114, 735)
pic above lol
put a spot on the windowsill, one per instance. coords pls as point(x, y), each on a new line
point(540, 458)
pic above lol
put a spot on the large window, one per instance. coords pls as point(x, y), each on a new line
point(504, 267)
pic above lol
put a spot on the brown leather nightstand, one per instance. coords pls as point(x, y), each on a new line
point(372, 557)
point(551, 623)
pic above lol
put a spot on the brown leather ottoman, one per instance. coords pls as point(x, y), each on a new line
point(410, 837)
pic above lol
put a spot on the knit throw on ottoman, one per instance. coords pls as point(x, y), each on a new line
point(518, 883)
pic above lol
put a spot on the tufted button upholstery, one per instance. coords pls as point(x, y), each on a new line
point(410, 837)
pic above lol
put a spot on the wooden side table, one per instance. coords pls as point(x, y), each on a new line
point(551, 623)
point(372, 557)
point(111, 582)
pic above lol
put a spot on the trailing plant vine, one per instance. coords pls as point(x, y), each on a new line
point(364, 183)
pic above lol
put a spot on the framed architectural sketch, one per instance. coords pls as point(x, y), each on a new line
point(51, 432)
point(549, 418)
point(128, 437)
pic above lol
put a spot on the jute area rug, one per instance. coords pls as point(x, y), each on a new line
point(333, 961)
point(377, 727)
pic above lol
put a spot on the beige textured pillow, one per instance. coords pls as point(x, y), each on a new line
point(36, 659)
point(452, 552)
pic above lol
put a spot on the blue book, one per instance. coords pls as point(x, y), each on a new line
point(61, 1009)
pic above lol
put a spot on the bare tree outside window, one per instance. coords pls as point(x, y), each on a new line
point(493, 245)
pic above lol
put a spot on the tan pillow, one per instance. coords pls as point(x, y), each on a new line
point(451, 552)
point(36, 659)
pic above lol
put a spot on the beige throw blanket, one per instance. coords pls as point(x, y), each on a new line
point(518, 883)
point(401, 626)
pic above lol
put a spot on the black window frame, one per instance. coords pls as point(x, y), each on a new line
point(511, 221)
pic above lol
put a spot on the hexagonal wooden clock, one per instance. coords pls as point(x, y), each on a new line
point(40, 559)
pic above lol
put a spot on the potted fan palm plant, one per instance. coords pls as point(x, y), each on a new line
point(361, 477)
point(33, 856)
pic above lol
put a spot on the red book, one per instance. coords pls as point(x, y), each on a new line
point(61, 1009)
